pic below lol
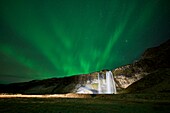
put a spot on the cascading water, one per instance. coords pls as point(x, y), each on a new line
point(111, 83)
point(100, 84)
point(106, 86)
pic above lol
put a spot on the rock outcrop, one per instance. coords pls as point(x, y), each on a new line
point(153, 64)
point(155, 82)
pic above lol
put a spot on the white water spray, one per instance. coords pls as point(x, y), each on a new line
point(106, 86)
point(99, 84)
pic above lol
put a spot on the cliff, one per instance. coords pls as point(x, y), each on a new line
point(152, 69)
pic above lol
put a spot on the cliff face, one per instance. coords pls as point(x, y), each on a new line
point(155, 82)
point(126, 75)
point(151, 73)
point(153, 65)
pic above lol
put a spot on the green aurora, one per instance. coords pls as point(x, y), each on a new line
point(57, 38)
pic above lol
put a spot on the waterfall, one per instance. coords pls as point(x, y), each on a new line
point(109, 83)
point(106, 85)
point(99, 84)
point(111, 87)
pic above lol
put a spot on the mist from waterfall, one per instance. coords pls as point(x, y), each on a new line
point(101, 83)
point(106, 83)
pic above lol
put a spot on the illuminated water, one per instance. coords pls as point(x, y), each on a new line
point(106, 86)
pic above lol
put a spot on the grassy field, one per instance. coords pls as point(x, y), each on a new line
point(94, 104)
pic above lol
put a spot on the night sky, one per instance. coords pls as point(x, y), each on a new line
point(56, 38)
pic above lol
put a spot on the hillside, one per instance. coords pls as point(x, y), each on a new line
point(150, 74)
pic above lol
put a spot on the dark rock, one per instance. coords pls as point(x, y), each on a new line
point(155, 82)
point(47, 86)
point(152, 59)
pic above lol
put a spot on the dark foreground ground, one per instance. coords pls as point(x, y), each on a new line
point(94, 104)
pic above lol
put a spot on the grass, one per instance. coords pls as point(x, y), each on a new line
point(96, 104)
